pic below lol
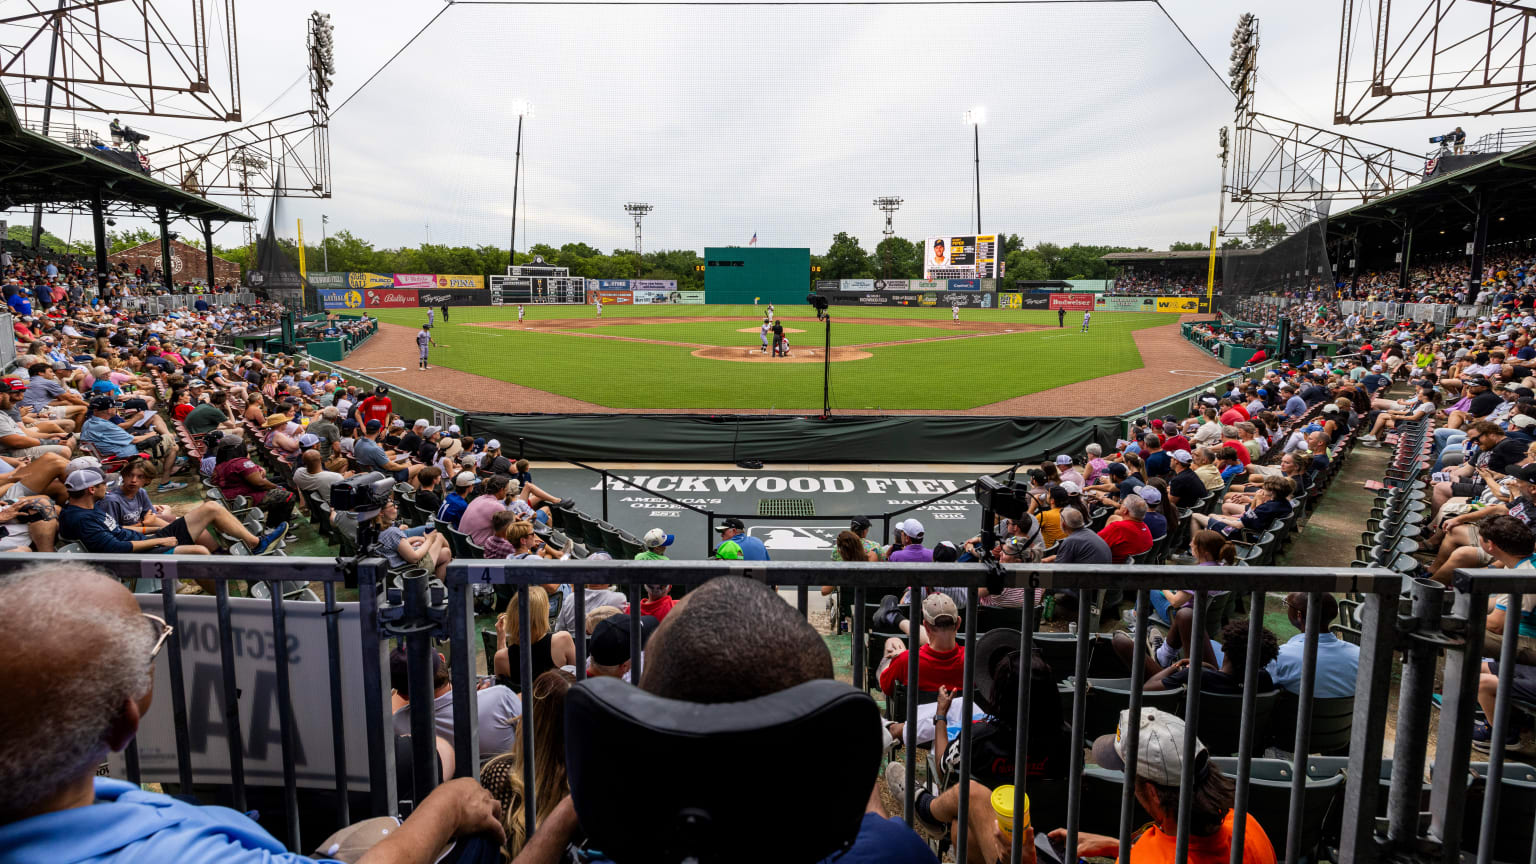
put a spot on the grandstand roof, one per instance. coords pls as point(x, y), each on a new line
point(1153, 255)
point(1451, 198)
point(35, 169)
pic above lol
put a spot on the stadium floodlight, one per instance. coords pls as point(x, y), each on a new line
point(522, 108)
point(976, 116)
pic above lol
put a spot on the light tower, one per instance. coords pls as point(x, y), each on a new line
point(890, 204)
point(638, 211)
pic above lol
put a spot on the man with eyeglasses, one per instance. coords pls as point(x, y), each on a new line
point(85, 670)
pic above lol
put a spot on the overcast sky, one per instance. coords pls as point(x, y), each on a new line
point(1101, 121)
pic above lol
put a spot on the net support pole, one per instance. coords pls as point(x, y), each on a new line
point(1406, 254)
point(1478, 246)
point(164, 219)
point(99, 228)
point(1210, 274)
point(208, 251)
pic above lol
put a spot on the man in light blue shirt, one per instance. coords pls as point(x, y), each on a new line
point(1338, 662)
point(1295, 406)
point(52, 807)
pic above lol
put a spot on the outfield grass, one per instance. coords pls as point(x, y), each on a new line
point(946, 375)
point(814, 332)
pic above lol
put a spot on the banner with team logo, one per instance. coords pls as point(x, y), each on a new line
point(893, 284)
point(1108, 303)
point(331, 298)
point(324, 279)
point(370, 280)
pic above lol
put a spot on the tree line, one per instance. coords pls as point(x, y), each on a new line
point(844, 258)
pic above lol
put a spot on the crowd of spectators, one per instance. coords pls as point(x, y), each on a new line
point(1160, 282)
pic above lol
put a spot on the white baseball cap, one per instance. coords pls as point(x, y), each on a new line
point(454, 429)
point(79, 481)
point(81, 463)
point(656, 538)
point(420, 424)
point(1160, 751)
point(493, 444)
point(465, 478)
point(910, 527)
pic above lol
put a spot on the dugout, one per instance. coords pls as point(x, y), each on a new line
point(742, 274)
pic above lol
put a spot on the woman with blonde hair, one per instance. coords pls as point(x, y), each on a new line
point(550, 650)
point(503, 775)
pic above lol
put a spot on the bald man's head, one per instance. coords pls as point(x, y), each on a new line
point(78, 667)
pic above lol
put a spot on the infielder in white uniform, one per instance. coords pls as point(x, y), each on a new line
point(1086, 316)
point(431, 316)
point(423, 341)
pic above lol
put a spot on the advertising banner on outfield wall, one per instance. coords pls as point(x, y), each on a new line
point(331, 298)
point(1178, 304)
point(858, 284)
point(653, 285)
point(389, 299)
point(449, 282)
point(691, 298)
point(827, 285)
point(1072, 302)
point(1034, 300)
point(928, 284)
point(370, 280)
point(415, 281)
point(321, 279)
point(966, 299)
point(655, 296)
point(624, 298)
point(607, 284)
point(893, 285)
point(964, 284)
point(456, 297)
point(1124, 304)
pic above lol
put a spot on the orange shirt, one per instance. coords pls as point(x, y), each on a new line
point(1156, 847)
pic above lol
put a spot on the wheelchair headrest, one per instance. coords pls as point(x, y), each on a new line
point(660, 780)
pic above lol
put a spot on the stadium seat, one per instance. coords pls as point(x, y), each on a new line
point(1221, 714)
point(1107, 697)
point(700, 808)
point(1103, 791)
point(1332, 721)
point(1269, 801)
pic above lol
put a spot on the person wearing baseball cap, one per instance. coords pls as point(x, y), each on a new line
point(608, 651)
point(94, 528)
point(859, 526)
point(733, 531)
point(655, 541)
point(376, 407)
point(18, 440)
point(939, 662)
point(1160, 760)
point(112, 440)
point(1462, 545)
point(452, 510)
point(909, 543)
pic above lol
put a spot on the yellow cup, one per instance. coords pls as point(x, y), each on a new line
point(1002, 805)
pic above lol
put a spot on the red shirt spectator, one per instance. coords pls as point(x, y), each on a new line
point(1232, 416)
point(935, 669)
point(1258, 356)
point(657, 608)
point(375, 407)
point(1243, 455)
point(1125, 537)
point(1177, 442)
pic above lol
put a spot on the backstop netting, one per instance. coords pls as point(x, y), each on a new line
point(1297, 270)
point(276, 275)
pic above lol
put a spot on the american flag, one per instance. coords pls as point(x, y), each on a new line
point(754, 239)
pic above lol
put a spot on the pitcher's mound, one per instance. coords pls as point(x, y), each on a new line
point(796, 355)
point(755, 330)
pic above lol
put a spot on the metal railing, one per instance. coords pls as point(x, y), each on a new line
point(420, 615)
point(408, 403)
point(1462, 636)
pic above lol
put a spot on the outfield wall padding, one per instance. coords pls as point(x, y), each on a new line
point(729, 438)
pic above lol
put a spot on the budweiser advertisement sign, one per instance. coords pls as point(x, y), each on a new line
point(386, 298)
point(1072, 302)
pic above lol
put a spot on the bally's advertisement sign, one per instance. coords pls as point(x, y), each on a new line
point(390, 299)
point(370, 280)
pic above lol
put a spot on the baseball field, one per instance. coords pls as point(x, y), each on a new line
point(706, 358)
